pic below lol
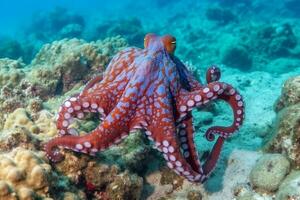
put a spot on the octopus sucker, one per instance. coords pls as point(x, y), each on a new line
point(152, 90)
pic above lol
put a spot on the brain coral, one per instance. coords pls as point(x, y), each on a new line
point(25, 175)
point(42, 124)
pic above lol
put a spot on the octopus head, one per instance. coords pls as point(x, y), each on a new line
point(168, 42)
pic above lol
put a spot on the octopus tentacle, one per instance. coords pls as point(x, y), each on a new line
point(212, 91)
point(176, 160)
point(111, 131)
point(213, 74)
point(186, 139)
point(213, 157)
point(76, 107)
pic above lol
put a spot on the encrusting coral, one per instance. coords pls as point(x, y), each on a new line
point(55, 69)
point(286, 134)
point(61, 64)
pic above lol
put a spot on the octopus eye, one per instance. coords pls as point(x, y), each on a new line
point(173, 42)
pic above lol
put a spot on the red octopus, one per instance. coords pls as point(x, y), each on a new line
point(152, 90)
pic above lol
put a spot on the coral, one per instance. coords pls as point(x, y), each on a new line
point(286, 127)
point(56, 69)
point(269, 171)
point(166, 185)
point(43, 124)
point(11, 72)
point(60, 65)
point(101, 180)
point(289, 188)
point(25, 175)
point(105, 174)
point(286, 135)
point(170, 178)
point(17, 137)
point(290, 93)
point(237, 56)
point(125, 186)
point(131, 154)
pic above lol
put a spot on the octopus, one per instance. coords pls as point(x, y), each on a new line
point(151, 90)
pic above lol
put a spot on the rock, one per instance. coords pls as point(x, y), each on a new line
point(269, 171)
point(237, 56)
point(289, 188)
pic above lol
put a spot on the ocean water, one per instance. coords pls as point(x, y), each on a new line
point(49, 50)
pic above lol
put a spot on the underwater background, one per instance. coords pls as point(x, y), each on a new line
point(49, 50)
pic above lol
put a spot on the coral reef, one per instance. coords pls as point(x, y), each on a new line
point(56, 69)
point(42, 123)
point(11, 72)
point(286, 136)
point(26, 175)
point(61, 64)
point(101, 180)
point(290, 94)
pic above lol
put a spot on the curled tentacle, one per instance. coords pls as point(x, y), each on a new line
point(90, 143)
point(213, 74)
point(213, 91)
